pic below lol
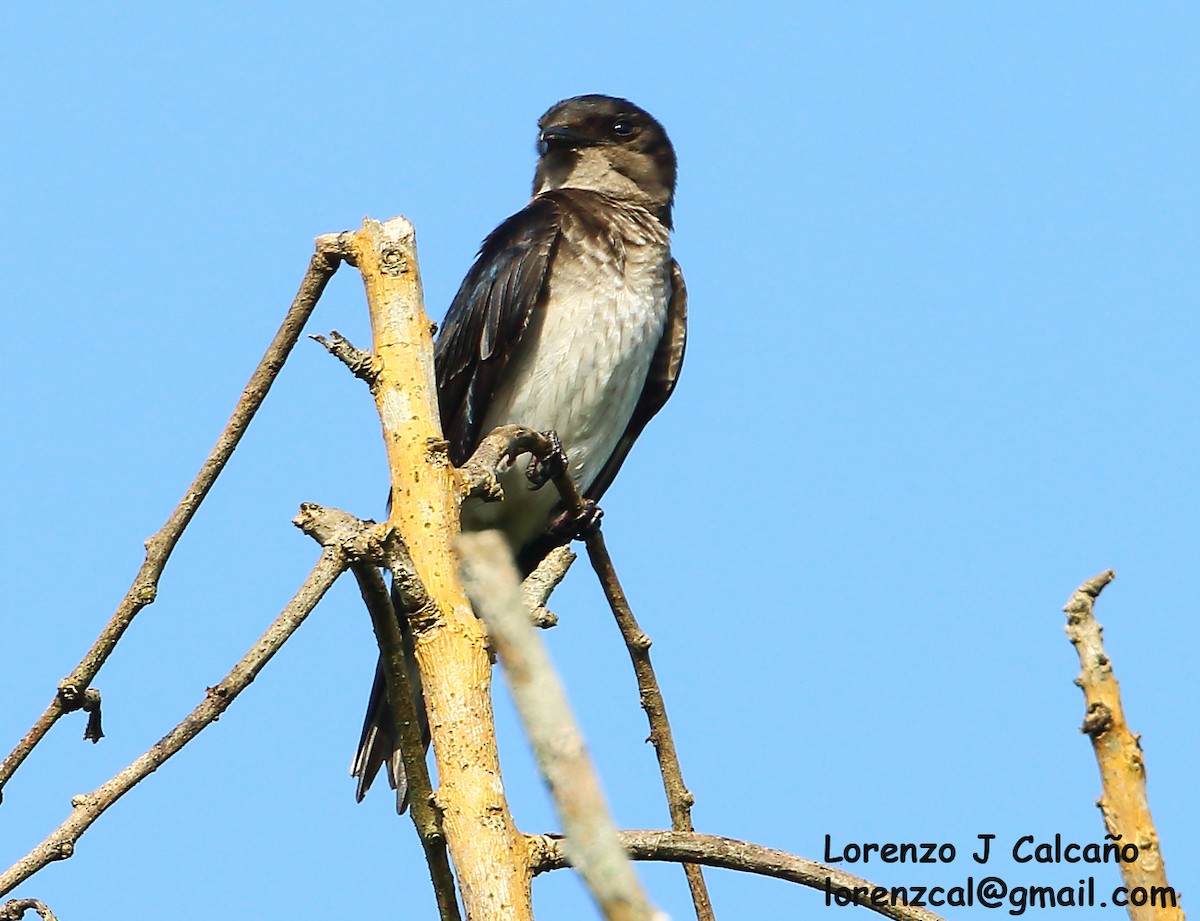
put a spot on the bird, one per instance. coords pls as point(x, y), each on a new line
point(572, 319)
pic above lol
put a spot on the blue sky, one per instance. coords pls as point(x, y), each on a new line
point(942, 261)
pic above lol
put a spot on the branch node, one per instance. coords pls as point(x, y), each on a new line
point(542, 581)
point(145, 592)
point(1098, 720)
point(393, 261)
point(337, 247)
point(361, 363)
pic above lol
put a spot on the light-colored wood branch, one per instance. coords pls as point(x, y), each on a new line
point(1123, 802)
point(15, 909)
point(358, 361)
point(490, 577)
point(89, 807)
point(74, 692)
point(731, 854)
point(540, 583)
point(451, 649)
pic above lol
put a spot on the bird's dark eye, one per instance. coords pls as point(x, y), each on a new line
point(624, 128)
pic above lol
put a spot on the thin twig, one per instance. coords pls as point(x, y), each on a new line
point(90, 806)
point(73, 691)
point(679, 797)
point(731, 854)
point(15, 909)
point(1123, 802)
point(360, 362)
point(489, 575)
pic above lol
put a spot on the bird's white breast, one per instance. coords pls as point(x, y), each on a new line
point(581, 366)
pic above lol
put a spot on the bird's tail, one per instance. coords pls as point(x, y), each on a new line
point(378, 746)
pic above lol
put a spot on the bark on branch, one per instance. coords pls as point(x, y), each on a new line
point(489, 853)
point(1123, 802)
point(15, 909)
point(679, 798)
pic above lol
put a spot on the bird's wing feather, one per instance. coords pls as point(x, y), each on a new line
point(664, 373)
point(491, 311)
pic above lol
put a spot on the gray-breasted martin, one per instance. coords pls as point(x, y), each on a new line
point(572, 319)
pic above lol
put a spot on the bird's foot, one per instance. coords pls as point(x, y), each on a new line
point(542, 470)
point(577, 524)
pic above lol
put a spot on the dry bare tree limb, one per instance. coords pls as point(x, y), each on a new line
point(73, 691)
point(1123, 802)
point(731, 854)
point(90, 806)
point(451, 649)
point(505, 443)
point(368, 545)
point(490, 577)
point(14, 910)
point(406, 722)
point(539, 584)
point(679, 797)
point(359, 361)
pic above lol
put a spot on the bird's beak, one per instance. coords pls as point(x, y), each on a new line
point(562, 136)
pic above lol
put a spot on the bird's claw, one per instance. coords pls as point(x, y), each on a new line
point(577, 524)
point(544, 469)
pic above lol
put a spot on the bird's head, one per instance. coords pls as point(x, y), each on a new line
point(607, 145)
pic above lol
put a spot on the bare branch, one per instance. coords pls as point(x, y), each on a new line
point(426, 816)
point(73, 691)
point(15, 909)
point(539, 584)
point(451, 649)
point(359, 361)
point(679, 797)
point(1123, 802)
point(90, 806)
point(731, 854)
point(490, 577)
